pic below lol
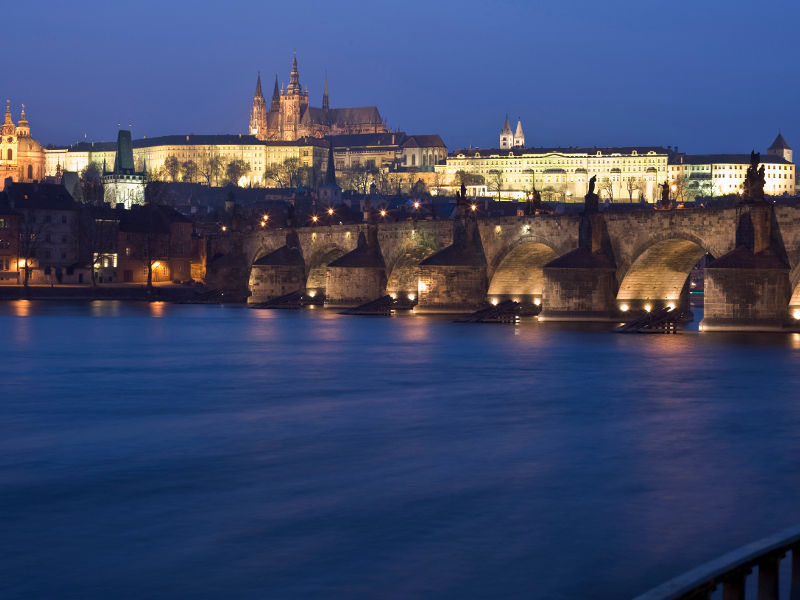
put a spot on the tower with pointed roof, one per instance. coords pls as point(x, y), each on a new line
point(21, 157)
point(519, 135)
point(780, 148)
point(506, 137)
point(258, 112)
point(290, 117)
point(123, 184)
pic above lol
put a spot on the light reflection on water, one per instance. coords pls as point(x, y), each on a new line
point(223, 452)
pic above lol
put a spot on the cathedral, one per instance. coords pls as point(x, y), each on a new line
point(290, 117)
point(21, 156)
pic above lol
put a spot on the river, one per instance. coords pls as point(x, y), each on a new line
point(174, 451)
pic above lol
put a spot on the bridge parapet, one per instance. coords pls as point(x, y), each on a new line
point(731, 571)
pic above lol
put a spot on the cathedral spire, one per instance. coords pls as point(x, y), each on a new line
point(330, 173)
point(258, 93)
point(325, 103)
point(294, 86)
point(275, 105)
point(23, 130)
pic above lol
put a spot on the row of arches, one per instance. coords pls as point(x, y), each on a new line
point(658, 273)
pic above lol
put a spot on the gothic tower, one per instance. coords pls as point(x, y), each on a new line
point(275, 105)
point(325, 102)
point(293, 103)
point(506, 137)
point(258, 113)
point(519, 135)
point(780, 148)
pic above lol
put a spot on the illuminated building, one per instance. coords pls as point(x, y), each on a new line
point(123, 184)
point(21, 156)
point(696, 175)
point(290, 117)
point(560, 174)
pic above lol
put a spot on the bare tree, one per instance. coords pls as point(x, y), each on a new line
point(98, 236)
point(92, 183)
point(235, 170)
point(465, 178)
point(172, 167)
point(496, 181)
point(633, 185)
point(210, 167)
point(31, 233)
point(605, 189)
point(189, 171)
point(285, 174)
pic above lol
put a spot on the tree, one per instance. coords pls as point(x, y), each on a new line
point(31, 232)
point(606, 187)
point(189, 171)
point(633, 185)
point(465, 178)
point(210, 167)
point(285, 174)
point(496, 181)
point(172, 167)
point(98, 234)
point(235, 170)
point(92, 184)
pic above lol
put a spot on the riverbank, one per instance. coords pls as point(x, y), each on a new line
point(129, 292)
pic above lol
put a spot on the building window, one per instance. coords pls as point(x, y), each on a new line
point(10, 154)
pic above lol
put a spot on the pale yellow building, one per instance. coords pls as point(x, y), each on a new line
point(560, 174)
point(151, 153)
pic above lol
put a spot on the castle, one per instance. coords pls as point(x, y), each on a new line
point(290, 117)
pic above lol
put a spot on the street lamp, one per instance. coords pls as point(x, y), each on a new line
point(383, 212)
point(315, 218)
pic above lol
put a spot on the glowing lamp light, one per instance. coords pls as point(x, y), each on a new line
point(265, 218)
point(312, 293)
point(22, 262)
point(263, 224)
point(422, 286)
point(671, 306)
point(393, 296)
point(224, 228)
point(648, 308)
point(383, 213)
point(416, 203)
point(315, 218)
point(796, 314)
point(497, 229)
point(537, 301)
point(156, 264)
point(411, 297)
point(624, 307)
point(474, 207)
point(494, 301)
point(330, 211)
point(674, 188)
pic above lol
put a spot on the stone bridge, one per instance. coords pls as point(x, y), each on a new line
point(630, 261)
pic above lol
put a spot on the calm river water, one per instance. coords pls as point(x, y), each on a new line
point(163, 451)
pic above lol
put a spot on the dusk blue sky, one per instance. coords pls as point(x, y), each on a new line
point(708, 76)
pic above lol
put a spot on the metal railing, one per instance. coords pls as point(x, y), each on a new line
point(731, 571)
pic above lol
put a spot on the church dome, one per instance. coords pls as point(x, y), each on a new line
point(28, 144)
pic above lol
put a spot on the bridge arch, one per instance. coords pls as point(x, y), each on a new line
point(518, 272)
point(403, 273)
point(659, 272)
point(794, 286)
point(317, 266)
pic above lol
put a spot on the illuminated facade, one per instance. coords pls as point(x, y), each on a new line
point(560, 174)
point(200, 150)
point(123, 184)
point(290, 117)
point(21, 157)
point(512, 140)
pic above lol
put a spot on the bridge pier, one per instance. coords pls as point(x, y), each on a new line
point(357, 277)
point(278, 273)
point(748, 288)
point(582, 284)
point(455, 279)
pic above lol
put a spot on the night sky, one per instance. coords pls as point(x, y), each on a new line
point(708, 76)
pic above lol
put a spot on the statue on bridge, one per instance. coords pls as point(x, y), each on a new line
point(591, 202)
point(665, 201)
point(754, 180)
